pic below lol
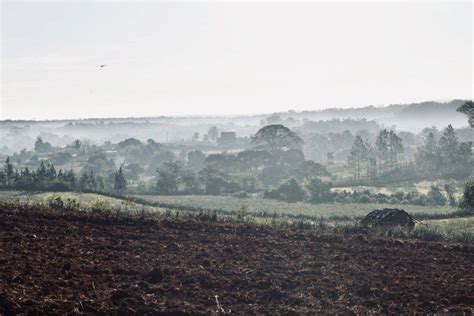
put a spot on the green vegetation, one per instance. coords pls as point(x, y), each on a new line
point(266, 207)
point(76, 200)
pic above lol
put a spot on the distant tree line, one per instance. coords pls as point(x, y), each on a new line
point(47, 178)
point(446, 158)
point(317, 191)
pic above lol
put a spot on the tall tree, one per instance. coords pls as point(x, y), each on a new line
point(381, 149)
point(468, 109)
point(120, 183)
point(395, 147)
point(357, 156)
point(168, 178)
point(276, 137)
point(213, 133)
point(8, 172)
point(371, 160)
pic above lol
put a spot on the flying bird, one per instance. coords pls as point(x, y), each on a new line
point(102, 66)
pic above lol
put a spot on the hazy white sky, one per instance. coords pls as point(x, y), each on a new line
point(228, 58)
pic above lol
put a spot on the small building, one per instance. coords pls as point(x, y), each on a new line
point(227, 138)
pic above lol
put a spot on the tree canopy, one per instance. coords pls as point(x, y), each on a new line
point(276, 137)
point(468, 109)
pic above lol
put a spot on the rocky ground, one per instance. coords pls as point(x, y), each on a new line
point(54, 262)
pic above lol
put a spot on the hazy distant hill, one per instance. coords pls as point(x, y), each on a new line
point(412, 117)
point(407, 117)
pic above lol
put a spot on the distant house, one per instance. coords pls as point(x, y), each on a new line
point(227, 138)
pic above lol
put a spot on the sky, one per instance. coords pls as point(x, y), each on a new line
point(224, 58)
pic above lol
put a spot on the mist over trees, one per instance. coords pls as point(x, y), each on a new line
point(281, 156)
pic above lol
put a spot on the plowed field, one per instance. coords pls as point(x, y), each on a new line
point(55, 262)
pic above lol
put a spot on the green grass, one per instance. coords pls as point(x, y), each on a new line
point(258, 205)
point(85, 200)
point(465, 224)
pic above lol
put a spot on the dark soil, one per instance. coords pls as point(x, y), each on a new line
point(56, 263)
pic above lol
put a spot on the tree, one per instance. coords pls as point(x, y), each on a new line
point(467, 201)
point(357, 156)
point(381, 149)
point(215, 181)
point(84, 182)
point(92, 181)
point(190, 182)
point(468, 109)
point(276, 137)
point(196, 159)
point(448, 144)
point(427, 157)
point(435, 196)
point(213, 133)
point(42, 147)
point(77, 144)
point(195, 137)
point(455, 157)
point(371, 160)
point(168, 177)
point(252, 160)
point(290, 191)
point(8, 172)
point(319, 191)
point(307, 169)
point(120, 183)
point(395, 147)
point(450, 190)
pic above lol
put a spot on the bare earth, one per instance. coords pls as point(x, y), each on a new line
point(55, 262)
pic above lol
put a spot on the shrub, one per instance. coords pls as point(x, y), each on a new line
point(243, 215)
point(290, 191)
point(435, 197)
point(364, 199)
point(319, 191)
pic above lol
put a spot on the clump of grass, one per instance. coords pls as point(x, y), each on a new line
point(243, 215)
point(207, 215)
point(101, 206)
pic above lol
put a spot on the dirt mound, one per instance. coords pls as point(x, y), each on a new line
point(388, 217)
point(53, 263)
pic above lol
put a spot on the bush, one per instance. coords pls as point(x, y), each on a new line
point(290, 191)
point(364, 199)
point(243, 215)
point(435, 197)
point(319, 191)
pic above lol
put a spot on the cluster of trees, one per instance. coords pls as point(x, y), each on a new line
point(378, 158)
point(445, 158)
point(173, 178)
point(47, 178)
point(317, 191)
point(43, 178)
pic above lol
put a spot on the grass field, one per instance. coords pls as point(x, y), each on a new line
point(85, 200)
point(259, 205)
point(449, 228)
